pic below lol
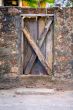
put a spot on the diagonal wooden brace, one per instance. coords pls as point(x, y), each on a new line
point(37, 50)
point(43, 36)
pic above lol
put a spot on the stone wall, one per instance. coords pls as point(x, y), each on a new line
point(63, 43)
point(8, 44)
point(10, 41)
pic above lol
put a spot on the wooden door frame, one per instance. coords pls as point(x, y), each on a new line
point(34, 15)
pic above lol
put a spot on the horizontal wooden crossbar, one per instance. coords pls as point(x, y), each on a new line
point(36, 15)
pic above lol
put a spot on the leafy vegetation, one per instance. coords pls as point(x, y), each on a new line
point(72, 2)
point(38, 3)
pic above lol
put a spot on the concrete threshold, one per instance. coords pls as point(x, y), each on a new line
point(38, 91)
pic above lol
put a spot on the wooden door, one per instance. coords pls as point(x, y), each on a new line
point(38, 45)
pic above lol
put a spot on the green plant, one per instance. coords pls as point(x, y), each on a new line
point(72, 2)
point(35, 3)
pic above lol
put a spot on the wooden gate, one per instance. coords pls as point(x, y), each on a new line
point(38, 44)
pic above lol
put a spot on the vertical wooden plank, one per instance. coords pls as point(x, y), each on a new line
point(41, 26)
point(38, 69)
point(22, 44)
point(27, 48)
point(31, 26)
point(49, 46)
point(34, 33)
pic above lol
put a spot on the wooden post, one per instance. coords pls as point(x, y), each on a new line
point(20, 3)
point(1, 2)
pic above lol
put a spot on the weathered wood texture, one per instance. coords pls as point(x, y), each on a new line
point(37, 37)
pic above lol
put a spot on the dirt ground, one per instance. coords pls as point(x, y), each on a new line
point(57, 100)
